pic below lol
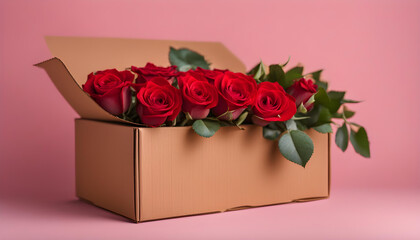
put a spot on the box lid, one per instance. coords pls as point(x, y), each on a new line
point(76, 57)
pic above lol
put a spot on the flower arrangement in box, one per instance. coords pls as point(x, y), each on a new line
point(189, 93)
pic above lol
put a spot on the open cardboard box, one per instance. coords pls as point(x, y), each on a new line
point(155, 173)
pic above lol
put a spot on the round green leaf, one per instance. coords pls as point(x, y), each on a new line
point(205, 128)
point(296, 146)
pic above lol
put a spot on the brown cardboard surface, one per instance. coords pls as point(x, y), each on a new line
point(81, 102)
point(105, 161)
point(155, 173)
point(76, 57)
point(182, 173)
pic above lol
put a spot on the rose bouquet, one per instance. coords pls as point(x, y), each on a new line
point(188, 93)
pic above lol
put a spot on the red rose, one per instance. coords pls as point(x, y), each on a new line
point(272, 104)
point(110, 89)
point(150, 71)
point(158, 102)
point(302, 91)
point(210, 75)
point(236, 92)
point(198, 96)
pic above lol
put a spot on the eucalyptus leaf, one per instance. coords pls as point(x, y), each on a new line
point(360, 142)
point(206, 128)
point(296, 146)
point(342, 137)
point(324, 128)
point(186, 59)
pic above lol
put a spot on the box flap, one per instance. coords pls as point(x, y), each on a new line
point(76, 57)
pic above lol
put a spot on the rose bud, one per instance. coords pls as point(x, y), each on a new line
point(210, 75)
point(236, 92)
point(110, 89)
point(158, 102)
point(302, 91)
point(198, 95)
point(272, 104)
point(150, 71)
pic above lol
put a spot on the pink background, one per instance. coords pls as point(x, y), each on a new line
point(369, 48)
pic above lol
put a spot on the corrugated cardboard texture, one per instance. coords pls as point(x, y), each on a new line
point(155, 173)
point(182, 173)
point(105, 173)
point(76, 57)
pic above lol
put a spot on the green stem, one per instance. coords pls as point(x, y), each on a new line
point(184, 122)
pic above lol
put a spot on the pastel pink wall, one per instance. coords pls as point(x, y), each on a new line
point(370, 48)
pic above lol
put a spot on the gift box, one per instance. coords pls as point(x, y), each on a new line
point(155, 173)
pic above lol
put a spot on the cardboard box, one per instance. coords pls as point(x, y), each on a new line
point(155, 173)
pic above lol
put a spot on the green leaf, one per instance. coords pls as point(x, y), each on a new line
point(322, 84)
point(301, 126)
point(205, 128)
point(296, 146)
point(186, 59)
point(335, 100)
point(324, 128)
point(324, 116)
point(316, 75)
point(241, 118)
point(258, 71)
point(284, 64)
point(360, 142)
point(347, 114)
point(318, 116)
point(277, 75)
point(270, 134)
point(350, 101)
point(322, 98)
point(302, 109)
point(342, 137)
point(291, 125)
point(354, 124)
point(294, 73)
